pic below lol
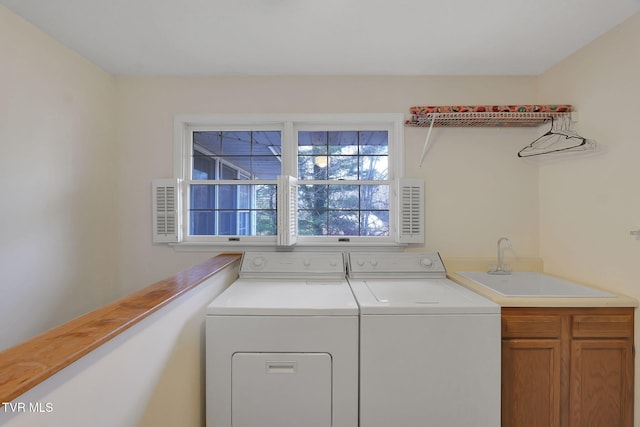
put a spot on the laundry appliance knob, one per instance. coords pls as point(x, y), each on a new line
point(426, 262)
point(258, 262)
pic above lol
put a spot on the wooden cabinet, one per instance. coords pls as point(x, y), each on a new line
point(567, 367)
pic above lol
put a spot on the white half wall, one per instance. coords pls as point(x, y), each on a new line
point(150, 375)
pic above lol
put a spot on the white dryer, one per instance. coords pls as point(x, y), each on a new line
point(429, 348)
point(282, 344)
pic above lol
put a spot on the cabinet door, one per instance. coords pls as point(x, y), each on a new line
point(601, 383)
point(531, 382)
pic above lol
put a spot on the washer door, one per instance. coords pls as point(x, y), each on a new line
point(281, 389)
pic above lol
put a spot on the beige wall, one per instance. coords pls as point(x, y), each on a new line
point(57, 169)
point(79, 149)
point(588, 204)
point(476, 188)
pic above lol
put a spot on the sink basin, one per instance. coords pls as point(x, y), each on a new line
point(532, 284)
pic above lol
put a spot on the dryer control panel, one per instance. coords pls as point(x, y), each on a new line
point(306, 265)
point(406, 264)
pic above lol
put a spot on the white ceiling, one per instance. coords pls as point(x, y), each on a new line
point(326, 37)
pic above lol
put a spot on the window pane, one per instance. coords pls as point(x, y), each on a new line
point(343, 197)
point(244, 197)
point(227, 196)
point(266, 223)
point(312, 167)
point(312, 222)
point(266, 197)
point(202, 196)
point(202, 223)
point(312, 196)
point(204, 167)
point(374, 223)
point(344, 224)
point(344, 143)
point(374, 142)
point(227, 223)
point(265, 167)
point(207, 142)
point(343, 167)
point(269, 139)
point(374, 197)
point(374, 168)
point(312, 143)
point(227, 171)
point(235, 143)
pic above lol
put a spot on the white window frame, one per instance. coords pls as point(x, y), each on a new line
point(288, 125)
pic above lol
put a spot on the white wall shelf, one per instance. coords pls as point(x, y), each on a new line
point(485, 115)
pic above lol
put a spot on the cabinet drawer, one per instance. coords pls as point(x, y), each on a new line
point(602, 326)
point(528, 326)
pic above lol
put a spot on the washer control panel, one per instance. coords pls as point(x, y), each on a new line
point(293, 264)
point(406, 264)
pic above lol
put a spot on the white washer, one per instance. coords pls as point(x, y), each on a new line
point(282, 344)
point(429, 348)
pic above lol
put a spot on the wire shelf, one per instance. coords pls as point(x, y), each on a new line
point(486, 116)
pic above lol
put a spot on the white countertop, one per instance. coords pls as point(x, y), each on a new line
point(530, 264)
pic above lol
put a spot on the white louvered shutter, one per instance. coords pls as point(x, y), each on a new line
point(166, 210)
point(411, 210)
point(287, 210)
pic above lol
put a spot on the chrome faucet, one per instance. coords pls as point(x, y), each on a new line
point(501, 268)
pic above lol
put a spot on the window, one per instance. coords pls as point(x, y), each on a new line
point(344, 166)
point(343, 183)
point(233, 190)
